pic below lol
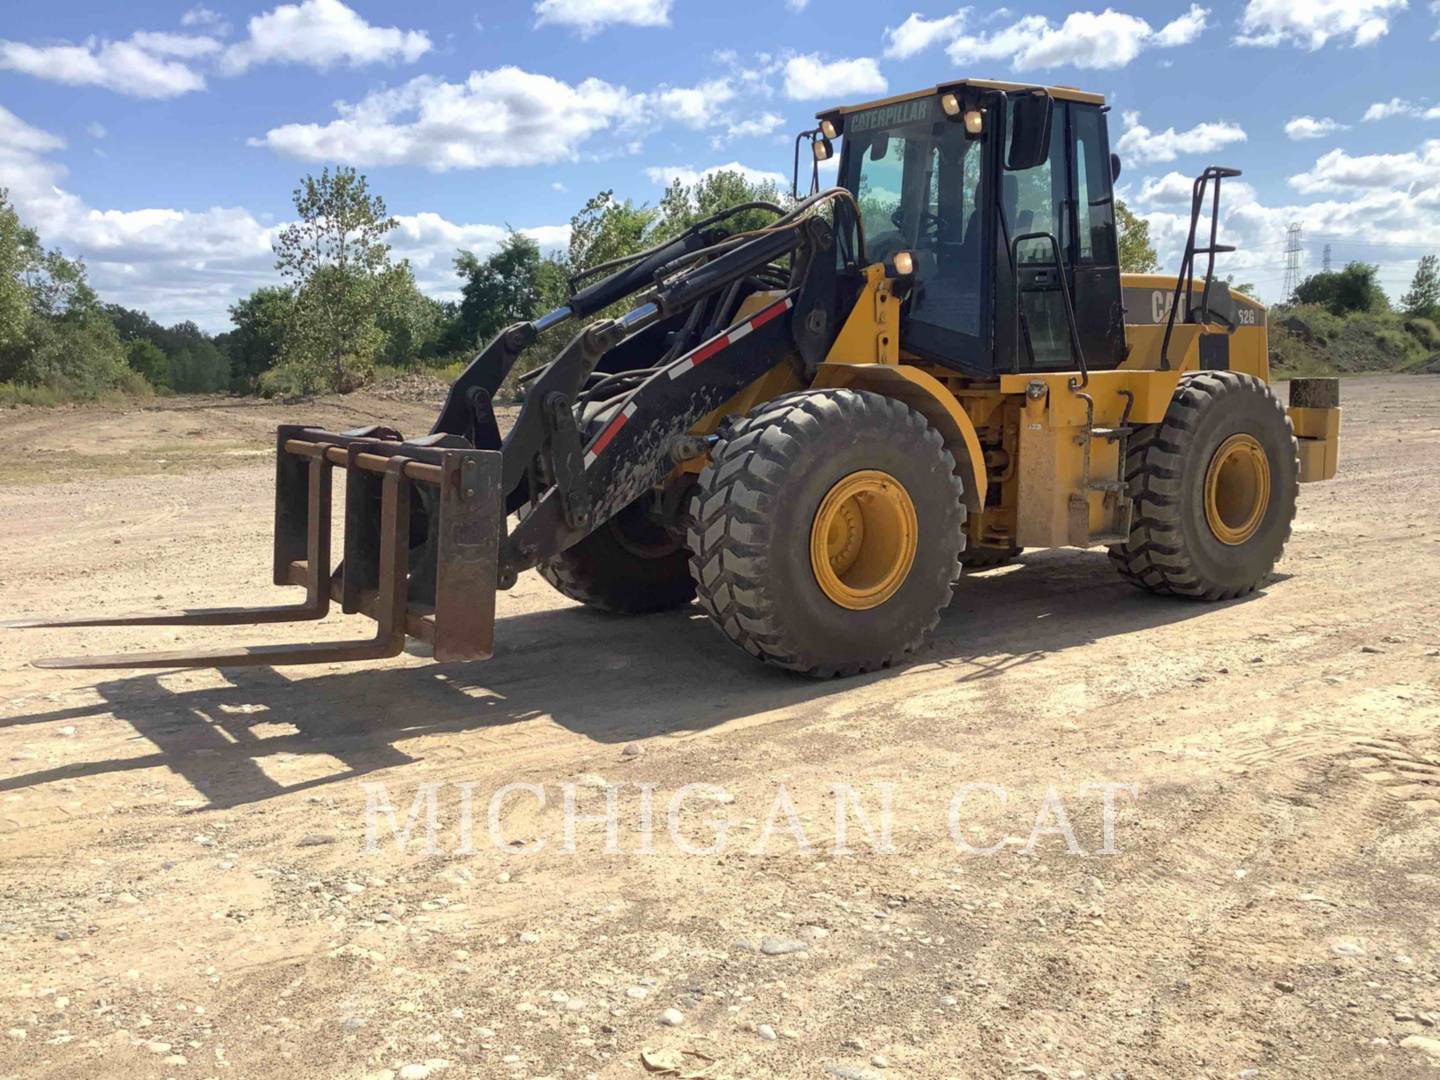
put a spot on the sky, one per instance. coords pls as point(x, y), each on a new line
point(161, 141)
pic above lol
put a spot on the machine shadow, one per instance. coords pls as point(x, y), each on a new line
point(607, 679)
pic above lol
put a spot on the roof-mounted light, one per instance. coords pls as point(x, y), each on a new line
point(951, 104)
point(827, 128)
point(974, 121)
point(823, 149)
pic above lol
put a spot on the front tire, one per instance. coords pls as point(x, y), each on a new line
point(826, 531)
point(629, 566)
point(1214, 487)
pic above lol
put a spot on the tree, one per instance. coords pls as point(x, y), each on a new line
point(1423, 299)
point(335, 260)
point(1137, 256)
point(255, 343)
point(605, 229)
point(682, 205)
point(410, 321)
point(199, 368)
point(53, 331)
point(501, 289)
point(150, 361)
point(1355, 288)
point(19, 250)
point(1246, 287)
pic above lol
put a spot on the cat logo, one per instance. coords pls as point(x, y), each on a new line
point(1159, 305)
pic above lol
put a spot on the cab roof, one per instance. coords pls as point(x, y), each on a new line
point(1062, 93)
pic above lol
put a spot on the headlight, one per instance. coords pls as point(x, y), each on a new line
point(904, 263)
point(974, 121)
point(823, 149)
point(827, 128)
point(951, 104)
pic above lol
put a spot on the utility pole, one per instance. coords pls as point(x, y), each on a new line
point(1292, 260)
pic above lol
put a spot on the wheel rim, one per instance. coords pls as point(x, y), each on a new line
point(1237, 489)
point(863, 540)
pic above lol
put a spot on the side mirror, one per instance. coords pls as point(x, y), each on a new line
point(1114, 167)
point(1030, 114)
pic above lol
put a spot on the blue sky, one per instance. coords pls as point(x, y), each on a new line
point(161, 140)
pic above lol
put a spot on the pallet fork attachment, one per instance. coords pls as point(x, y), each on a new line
point(441, 589)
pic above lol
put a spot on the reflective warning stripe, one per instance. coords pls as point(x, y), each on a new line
point(611, 430)
point(684, 364)
point(714, 345)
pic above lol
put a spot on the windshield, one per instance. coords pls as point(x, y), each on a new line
point(918, 186)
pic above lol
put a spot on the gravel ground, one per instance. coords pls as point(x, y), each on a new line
point(188, 886)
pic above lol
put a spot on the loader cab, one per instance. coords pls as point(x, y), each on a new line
point(1002, 194)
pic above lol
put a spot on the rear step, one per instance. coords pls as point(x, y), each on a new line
point(441, 589)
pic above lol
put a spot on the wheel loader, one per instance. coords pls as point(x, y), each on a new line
point(813, 427)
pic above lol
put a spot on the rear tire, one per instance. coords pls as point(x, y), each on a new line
point(974, 559)
point(841, 486)
point(1214, 486)
point(628, 566)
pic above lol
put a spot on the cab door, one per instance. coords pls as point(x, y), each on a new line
point(1068, 198)
point(1093, 252)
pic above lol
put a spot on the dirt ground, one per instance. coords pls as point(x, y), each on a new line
point(186, 890)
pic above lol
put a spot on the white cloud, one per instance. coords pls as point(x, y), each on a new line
point(96, 130)
point(1386, 199)
point(917, 33)
point(1183, 30)
point(1140, 144)
point(810, 76)
point(1086, 39)
point(183, 46)
point(1384, 110)
point(797, 6)
point(1311, 127)
point(1412, 172)
point(200, 15)
point(753, 127)
point(1172, 188)
point(192, 264)
point(321, 34)
point(1309, 24)
point(688, 175)
point(136, 67)
point(501, 117)
point(589, 17)
point(161, 64)
point(694, 106)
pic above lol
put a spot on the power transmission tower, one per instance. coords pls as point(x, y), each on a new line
point(1325, 259)
point(1292, 260)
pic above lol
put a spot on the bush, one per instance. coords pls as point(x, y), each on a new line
point(1310, 340)
point(1424, 331)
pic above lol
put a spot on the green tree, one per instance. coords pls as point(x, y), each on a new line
point(335, 260)
point(410, 321)
point(199, 368)
point(150, 361)
point(1355, 288)
point(1137, 254)
point(605, 229)
point(255, 343)
point(19, 253)
point(503, 288)
point(1423, 299)
point(682, 205)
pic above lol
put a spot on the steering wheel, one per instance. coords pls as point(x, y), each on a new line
point(928, 221)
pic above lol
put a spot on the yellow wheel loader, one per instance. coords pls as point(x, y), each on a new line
point(811, 427)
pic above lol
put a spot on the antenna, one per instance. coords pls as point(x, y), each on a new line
point(1292, 260)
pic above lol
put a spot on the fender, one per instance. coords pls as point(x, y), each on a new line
point(926, 395)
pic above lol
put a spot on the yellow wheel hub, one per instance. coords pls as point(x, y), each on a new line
point(863, 539)
point(1237, 489)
